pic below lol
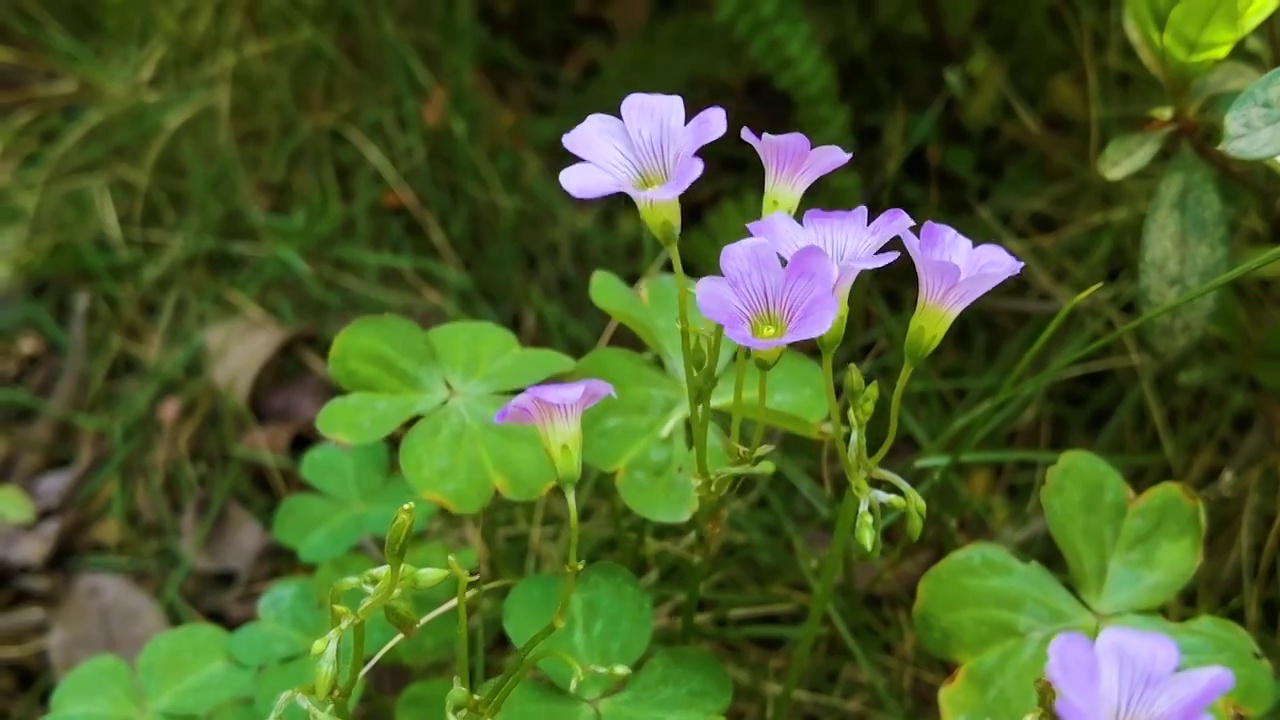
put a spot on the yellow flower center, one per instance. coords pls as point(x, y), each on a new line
point(769, 327)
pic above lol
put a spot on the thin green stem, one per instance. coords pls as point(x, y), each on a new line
point(686, 355)
point(895, 408)
point(462, 644)
point(489, 705)
point(739, 381)
point(848, 513)
point(762, 394)
point(833, 410)
point(357, 657)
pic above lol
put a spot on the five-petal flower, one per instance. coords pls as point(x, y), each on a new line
point(791, 165)
point(555, 409)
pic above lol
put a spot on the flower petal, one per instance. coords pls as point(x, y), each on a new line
point(1187, 695)
point(655, 124)
point(1133, 666)
point(807, 302)
point(783, 156)
point(705, 127)
point(685, 172)
point(822, 160)
point(965, 292)
point(782, 230)
point(586, 181)
point(519, 410)
point(754, 271)
point(716, 300)
point(936, 279)
point(943, 242)
point(842, 233)
point(891, 223)
point(990, 257)
point(602, 140)
point(1073, 671)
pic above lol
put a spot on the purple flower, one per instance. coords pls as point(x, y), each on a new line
point(1129, 674)
point(791, 165)
point(556, 410)
point(843, 234)
point(648, 154)
point(952, 274)
point(763, 306)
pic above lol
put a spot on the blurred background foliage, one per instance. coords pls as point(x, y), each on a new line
point(165, 166)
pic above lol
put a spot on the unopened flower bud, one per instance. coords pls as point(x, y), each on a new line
point(425, 578)
point(401, 617)
point(865, 529)
point(326, 670)
point(854, 383)
point(397, 543)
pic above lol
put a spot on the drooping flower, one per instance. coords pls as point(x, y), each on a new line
point(1129, 674)
point(952, 274)
point(791, 165)
point(649, 154)
point(764, 306)
point(556, 410)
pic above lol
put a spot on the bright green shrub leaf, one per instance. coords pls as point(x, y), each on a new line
point(609, 622)
point(101, 688)
point(1085, 501)
point(649, 407)
point(794, 399)
point(535, 701)
point(1126, 154)
point(1229, 77)
point(675, 684)
point(358, 497)
point(187, 671)
point(1199, 33)
point(1185, 244)
point(1251, 128)
point(1157, 551)
point(651, 312)
point(981, 596)
point(289, 620)
point(1209, 640)
point(1000, 683)
point(423, 700)
point(455, 376)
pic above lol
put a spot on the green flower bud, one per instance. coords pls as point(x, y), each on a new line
point(662, 217)
point(401, 617)
point(326, 670)
point(831, 339)
point(854, 382)
point(397, 543)
point(865, 529)
point(425, 578)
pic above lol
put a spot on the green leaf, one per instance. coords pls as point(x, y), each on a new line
point(1209, 640)
point(1126, 154)
point(1157, 551)
point(358, 497)
point(651, 312)
point(187, 671)
point(276, 679)
point(423, 700)
point(1251, 128)
point(980, 596)
point(658, 485)
point(479, 358)
point(1085, 501)
point(16, 506)
point(794, 399)
point(1199, 33)
point(101, 688)
point(1185, 244)
point(649, 407)
point(675, 684)
point(1000, 683)
point(289, 620)
point(609, 621)
point(389, 365)
point(534, 701)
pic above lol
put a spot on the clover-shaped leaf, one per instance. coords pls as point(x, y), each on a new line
point(455, 376)
point(980, 597)
point(675, 684)
point(289, 620)
point(1123, 555)
point(358, 496)
point(609, 622)
point(423, 700)
point(1251, 128)
point(794, 399)
point(998, 683)
point(1209, 640)
point(182, 671)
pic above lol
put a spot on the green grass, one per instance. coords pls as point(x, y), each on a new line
point(323, 160)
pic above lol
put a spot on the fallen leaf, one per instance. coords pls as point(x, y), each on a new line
point(29, 548)
point(16, 506)
point(50, 489)
point(233, 544)
point(239, 348)
point(101, 613)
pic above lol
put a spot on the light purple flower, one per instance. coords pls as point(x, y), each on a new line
point(843, 234)
point(952, 274)
point(762, 305)
point(648, 154)
point(1129, 674)
point(555, 409)
point(791, 165)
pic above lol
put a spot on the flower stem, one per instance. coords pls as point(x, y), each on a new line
point(463, 640)
point(686, 355)
point(847, 513)
point(837, 428)
point(762, 394)
point(739, 380)
point(490, 704)
point(895, 408)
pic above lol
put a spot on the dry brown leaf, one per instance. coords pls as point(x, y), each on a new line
point(102, 612)
point(239, 348)
point(50, 489)
point(233, 544)
point(27, 548)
